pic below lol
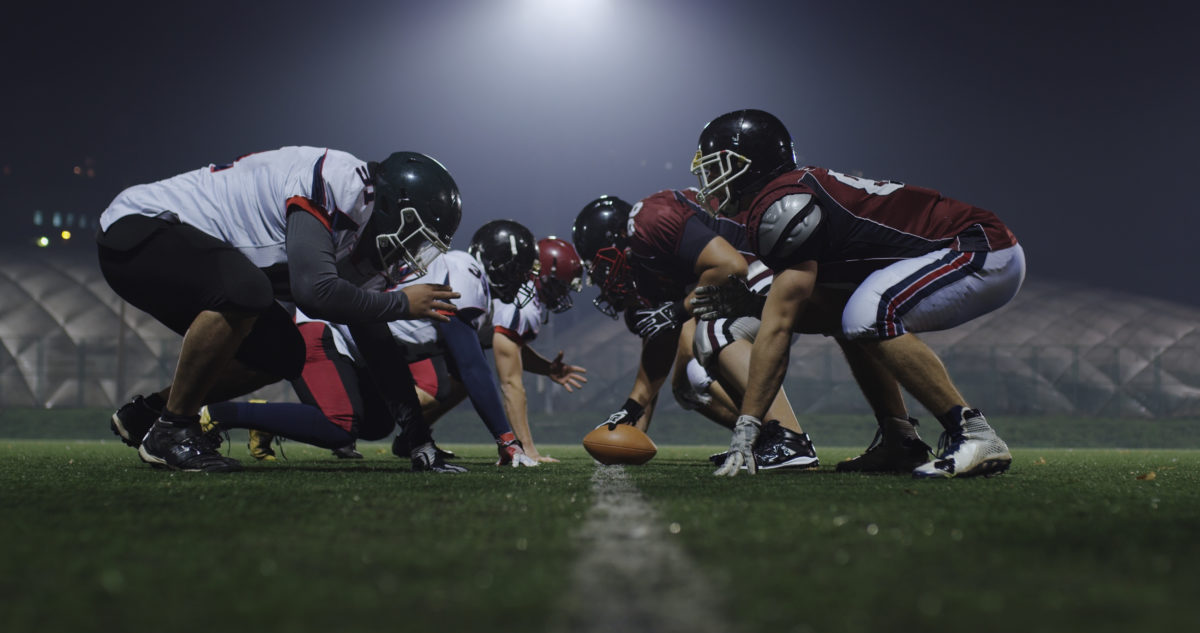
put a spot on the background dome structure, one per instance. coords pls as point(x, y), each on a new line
point(66, 340)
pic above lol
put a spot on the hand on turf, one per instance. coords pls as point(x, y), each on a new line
point(730, 300)
point(741, 447)
point(430, 301)
point(571, 377)
point(521, 459)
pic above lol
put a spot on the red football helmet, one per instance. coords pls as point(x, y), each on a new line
point(559, 273)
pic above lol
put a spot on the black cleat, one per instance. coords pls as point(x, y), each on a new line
point(778, 447)
point(349, 451)
point(428, 459)
point(888, 455)
point(895, 449)
point(132, 421)
point(184, 448)
point(401, 449)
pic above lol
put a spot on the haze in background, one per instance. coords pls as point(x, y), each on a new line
point(1074, 121)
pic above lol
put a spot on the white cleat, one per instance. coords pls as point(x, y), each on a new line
point(972, 450)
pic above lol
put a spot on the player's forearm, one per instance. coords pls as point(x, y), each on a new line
point(463, 346)
point(534, 362)
point(658, 355)
point(317, 288)
point(516, 405)
point(768, 364)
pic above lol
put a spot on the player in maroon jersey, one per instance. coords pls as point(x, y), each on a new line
point(918, 261)
point(646, 258)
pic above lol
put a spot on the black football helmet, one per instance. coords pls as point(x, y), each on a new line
point(507, 252)
point(600, 236)
point(417, 210)
point(560, 272)
point(739, 153)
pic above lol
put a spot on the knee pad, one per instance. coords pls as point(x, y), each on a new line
point(693, 393)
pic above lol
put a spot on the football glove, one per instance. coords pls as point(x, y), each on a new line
point(627, 414)
point(511, 453)
point(731, 300)
point(741, 447)
point(651, 322)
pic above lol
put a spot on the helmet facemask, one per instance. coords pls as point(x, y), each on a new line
point(555, 293)
point(716, 172)
point(413, 241)
point(512, 286)
point(506, 281)
point(610, 271)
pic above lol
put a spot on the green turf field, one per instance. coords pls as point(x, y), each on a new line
point(1069, 540)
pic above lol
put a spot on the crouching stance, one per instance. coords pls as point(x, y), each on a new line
point(918, 262)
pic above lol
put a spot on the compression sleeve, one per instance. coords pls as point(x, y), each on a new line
point(316, 287)
point(473, 369)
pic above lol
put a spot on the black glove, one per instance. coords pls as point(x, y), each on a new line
point(731, 300)
point(627, 414)
point(650, 322)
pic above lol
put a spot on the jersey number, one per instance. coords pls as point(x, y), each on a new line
point(874, 187)
point(632, 214)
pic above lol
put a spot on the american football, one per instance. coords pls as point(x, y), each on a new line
point(623, 444)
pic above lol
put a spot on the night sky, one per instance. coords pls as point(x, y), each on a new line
point(1076, 122)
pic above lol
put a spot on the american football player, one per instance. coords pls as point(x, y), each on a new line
point(917, 261)
point(645, 259)
point(559, 273)
point(211, 252)
point(357, 380)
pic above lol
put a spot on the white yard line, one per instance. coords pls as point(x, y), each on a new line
point(632, 576)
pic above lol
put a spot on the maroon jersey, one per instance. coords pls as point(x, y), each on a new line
point(667, 231)
point(870, 223)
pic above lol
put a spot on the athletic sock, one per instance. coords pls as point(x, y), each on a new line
point(155, 401)
point(952, 419)
point(893, 426)
point(174, 419)
point(299, 422)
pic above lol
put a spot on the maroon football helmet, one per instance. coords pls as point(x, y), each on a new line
point(559, 273)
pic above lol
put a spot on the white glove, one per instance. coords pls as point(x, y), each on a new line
point(511, 454)
point(521, 459)
point(741, 447)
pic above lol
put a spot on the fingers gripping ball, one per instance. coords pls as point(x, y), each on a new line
point(619, 444)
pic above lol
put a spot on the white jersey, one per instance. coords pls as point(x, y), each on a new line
point(419, 337)
point(520, 324)
point(245, 203)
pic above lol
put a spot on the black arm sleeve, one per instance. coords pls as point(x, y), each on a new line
point(316, 287)
point(476, 374)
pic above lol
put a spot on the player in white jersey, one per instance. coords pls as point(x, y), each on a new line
point(209, 252)
point(515, 324)
point(356, 380)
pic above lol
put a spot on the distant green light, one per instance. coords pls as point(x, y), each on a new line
point(43, 241)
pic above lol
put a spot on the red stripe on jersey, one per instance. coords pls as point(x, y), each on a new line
point(958, 262)
point(313, 208)
point(511, 334)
